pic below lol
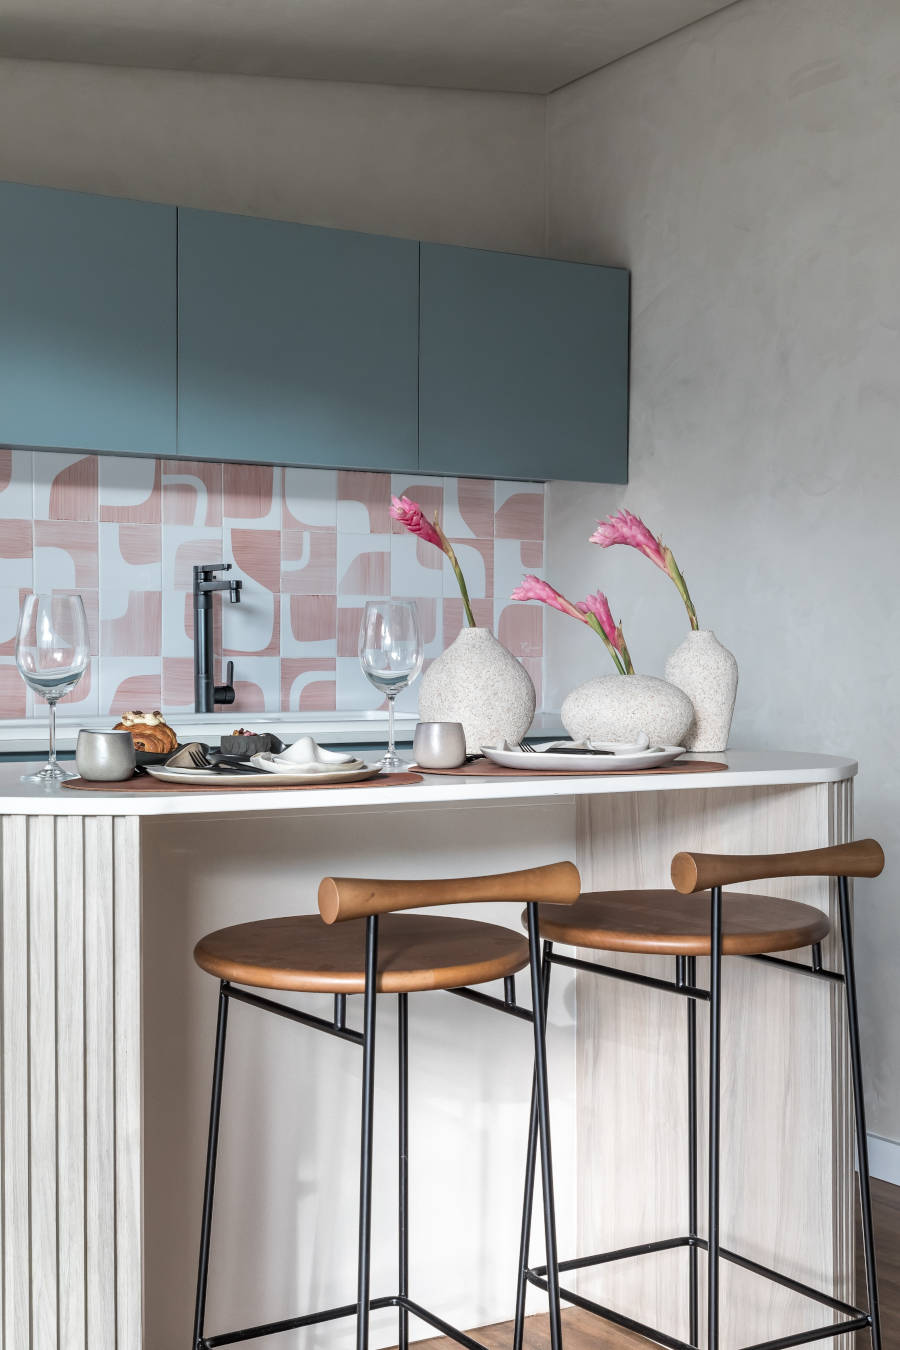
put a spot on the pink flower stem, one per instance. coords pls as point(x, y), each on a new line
point(594, 622)
point(448, 549)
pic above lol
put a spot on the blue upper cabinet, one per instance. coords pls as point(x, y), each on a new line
point(87, 321)
point(523, 367)
point(296, 344)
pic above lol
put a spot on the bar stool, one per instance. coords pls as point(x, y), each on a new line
point(675, 923)
point(359, 946)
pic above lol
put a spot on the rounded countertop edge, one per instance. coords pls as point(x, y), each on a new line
point(746, 769)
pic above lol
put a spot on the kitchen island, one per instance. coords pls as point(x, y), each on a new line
point(107, 1047)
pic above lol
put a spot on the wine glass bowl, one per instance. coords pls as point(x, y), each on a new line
point(390, 653)
point(52, 650)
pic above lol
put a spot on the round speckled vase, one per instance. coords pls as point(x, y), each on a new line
point(476, 681)
point(622, 707)
point(708, 674)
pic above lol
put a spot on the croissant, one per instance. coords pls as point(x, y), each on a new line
point(149, 731)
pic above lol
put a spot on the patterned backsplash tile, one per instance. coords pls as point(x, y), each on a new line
point(311, 546)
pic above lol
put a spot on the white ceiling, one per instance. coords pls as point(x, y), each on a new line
point(531, 46)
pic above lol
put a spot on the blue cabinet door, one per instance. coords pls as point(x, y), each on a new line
point(87, 321)
point(523, 367)
point(297, 345)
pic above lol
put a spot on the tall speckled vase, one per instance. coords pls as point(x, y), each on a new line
point(476, 681)
point(708, 674)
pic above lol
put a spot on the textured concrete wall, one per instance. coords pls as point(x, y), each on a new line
point(457, 168)
point(746, 170)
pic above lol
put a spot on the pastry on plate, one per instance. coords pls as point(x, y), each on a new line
point(149, 731)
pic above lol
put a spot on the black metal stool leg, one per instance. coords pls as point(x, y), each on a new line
point(543, 1115)
point(212, 1150)
point(686, 968)
point(715, 1047)
point(403, 1148)
point(530, 1168)
point(862, 1144)
point(365, 1166)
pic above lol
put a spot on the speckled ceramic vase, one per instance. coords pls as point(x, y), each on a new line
point(476, 681)
point(621, 707)
point(708, 674)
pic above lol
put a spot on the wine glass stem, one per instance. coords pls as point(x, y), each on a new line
point(52, 705)
point(391, 751)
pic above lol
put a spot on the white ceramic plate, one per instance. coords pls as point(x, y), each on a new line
point(209, 779)
point(547, 761)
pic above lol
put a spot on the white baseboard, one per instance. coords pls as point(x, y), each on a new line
point(884, 1159)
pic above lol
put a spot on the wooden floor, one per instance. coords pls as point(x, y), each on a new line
point(584, 1332)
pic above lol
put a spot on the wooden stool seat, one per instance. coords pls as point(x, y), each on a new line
point(665, 923)
point(415, 952)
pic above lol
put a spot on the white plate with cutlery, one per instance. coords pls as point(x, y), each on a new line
point(552, 758)
point(222, 778)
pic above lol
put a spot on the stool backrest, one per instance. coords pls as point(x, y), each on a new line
point(358, 897)
point(699, 871)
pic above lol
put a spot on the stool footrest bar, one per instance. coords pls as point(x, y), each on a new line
point(617, 1318)
point(271, 1005)
point(489, 1000)
point(623, 1253)
point(818, 973)
point(630, 977)
point(291, 1324)
point(445, 1328)
point(820, 1334)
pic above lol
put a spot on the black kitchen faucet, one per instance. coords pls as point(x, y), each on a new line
point(206, 692)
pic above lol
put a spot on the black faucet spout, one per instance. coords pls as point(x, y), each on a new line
point(206, 692)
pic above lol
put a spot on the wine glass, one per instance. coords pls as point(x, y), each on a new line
point(52, 655)
point(390, 653)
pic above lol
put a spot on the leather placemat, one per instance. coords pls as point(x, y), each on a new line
point(145, 783)
point(486, 768)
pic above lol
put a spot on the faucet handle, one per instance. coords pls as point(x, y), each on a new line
point(224, 693)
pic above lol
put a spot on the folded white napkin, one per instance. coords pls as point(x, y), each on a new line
point(305, 756)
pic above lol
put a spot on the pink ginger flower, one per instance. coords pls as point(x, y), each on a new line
point(598, 605)
point(411, 515)
point(532, 588)
point(624, 528)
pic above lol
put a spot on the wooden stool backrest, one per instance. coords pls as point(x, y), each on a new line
point(358, 897)
point(699, 871)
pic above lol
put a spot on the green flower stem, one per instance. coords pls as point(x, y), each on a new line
point(448, 549)
point(675, 573)
point(594, 623)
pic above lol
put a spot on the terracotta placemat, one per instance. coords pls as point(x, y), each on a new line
point(486, 768)
point(144, 783)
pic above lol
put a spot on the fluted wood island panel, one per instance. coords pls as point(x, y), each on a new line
point(106, 1039)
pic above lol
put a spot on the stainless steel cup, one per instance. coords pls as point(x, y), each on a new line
point(104, 756)
point(439, 745)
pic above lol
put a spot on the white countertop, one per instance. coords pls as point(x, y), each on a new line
point(746, 768)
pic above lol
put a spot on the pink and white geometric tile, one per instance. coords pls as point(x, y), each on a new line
point(10, 608)
point(130, 490)
point(83, 700)
point(417, 567)
point(178, 683)
point(252, 494)
point(364, 502)
point(257, 686)
point(191, 492)
point(131, 682)
point(310, 499)
point(307, 684)
point(16, 562)
point(187, 546)
point(363, 564)
point(65, 486)
point(131, 556)
point(513, 559)
point(308, 561)
point(519, 510)
point(130, 622)
point(251, 628)
point(16, 484)
point(255, 556)
point(309, 625)
point(454, 617)
point(476, 561)
point(13, 692)
point(520, 627)
point(468, 508)
point(65, 555)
